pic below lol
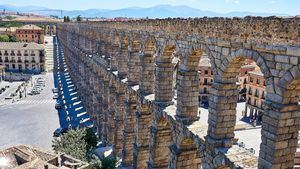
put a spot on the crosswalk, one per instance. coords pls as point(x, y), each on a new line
point(34, 101)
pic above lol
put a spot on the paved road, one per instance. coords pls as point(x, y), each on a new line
point(31, 120)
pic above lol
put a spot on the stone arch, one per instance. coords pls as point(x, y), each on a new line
point(281, 130)
point(162, 137)
point(224, 93)
point(232, 60)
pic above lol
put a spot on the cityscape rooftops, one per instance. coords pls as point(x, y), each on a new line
point(26, 156)
point(20, 45)
point(30, 27)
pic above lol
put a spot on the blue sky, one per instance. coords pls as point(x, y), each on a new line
point(291, 7)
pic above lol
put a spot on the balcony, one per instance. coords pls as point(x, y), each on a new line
point(26, 61)
point(19, 54)
point(6, 60)
point(12, 61)
point(33, 61)
point(19, 61)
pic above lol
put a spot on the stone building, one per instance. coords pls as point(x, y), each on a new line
point(22, 57)
point(124, 73)
point(256, 95)
point(30, 33)
point(29, 157)
point(206, 79)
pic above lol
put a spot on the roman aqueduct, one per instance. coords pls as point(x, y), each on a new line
point(124, 73)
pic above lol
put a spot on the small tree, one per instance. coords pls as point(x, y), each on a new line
point(68, 19)
point(72, 143)
point(4, 38)
point(13, 39)
point(77, 143)
point(65, 19)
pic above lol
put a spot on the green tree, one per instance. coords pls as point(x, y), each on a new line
point(4, 38)
point(72, 143)
point(109, 163)
point(12, 38)
point(68, 19)
point(65, 19)
point(90, 139)
point(78, 18)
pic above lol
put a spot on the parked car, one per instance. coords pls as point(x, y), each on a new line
point(60, 131)
point(59, 104)
point(56, 96)
point(55, 90)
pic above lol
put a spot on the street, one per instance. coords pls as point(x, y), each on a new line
point(32, 120)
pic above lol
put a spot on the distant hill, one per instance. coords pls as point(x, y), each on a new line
point(161, 11)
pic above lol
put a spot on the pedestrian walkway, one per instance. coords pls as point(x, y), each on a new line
point(34, 101)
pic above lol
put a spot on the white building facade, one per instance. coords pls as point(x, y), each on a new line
point(22, 57)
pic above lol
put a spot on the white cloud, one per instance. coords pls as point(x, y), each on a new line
point(233, 1)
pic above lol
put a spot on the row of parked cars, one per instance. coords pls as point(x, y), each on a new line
point(38, 86)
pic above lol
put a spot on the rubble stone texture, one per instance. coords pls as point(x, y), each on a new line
point(125, 74)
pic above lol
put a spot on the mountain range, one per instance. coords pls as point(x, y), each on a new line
point(161, 11)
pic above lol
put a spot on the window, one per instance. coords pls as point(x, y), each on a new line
point(245, 80)
point(206, 72)
point(256, 93)
point(250, 91)
point(255, 102)
point(205, 81)
point(263, 95)
point(205, 90)
point(258, 81)
point(249, 100)
point(251, 80)
point(13, 66)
